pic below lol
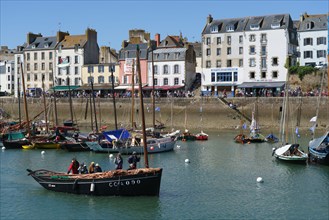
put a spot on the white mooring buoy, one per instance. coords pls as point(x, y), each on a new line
point(187, 161)
point(111, 155)
point(178, 146)
point(43, 152)
point(3, 148)
point(259, 180)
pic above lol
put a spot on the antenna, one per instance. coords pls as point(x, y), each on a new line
point(59, 26)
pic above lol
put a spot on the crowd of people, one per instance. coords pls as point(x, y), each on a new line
point(76, 168)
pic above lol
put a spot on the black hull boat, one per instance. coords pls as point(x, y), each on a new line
point(15, 144)
point(138, 182)
point(75, 147)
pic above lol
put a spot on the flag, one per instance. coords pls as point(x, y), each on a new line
point(297, 132)
point(313, 119)
point(312, 129)
point(244, 126)
point(157, 109)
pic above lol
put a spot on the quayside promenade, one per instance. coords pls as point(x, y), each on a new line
point(177, 113)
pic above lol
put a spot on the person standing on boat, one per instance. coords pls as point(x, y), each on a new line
point(73, 167)
point(133, 160)
point(91, 168)
point(83, 169)
point(118, 162)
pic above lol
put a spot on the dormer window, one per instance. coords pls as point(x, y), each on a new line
point(33, 46)
point(275, 25)
point(230, 28)
point(214, 29)
point(46, 45)
point(254, 27)
point(309, 25)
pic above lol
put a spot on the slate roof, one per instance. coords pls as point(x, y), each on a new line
point(159, 54)
point(318, 22)
point(70, 41)
point(40, 43)
point(130, 51)
point(171, 41)
point(267, 22)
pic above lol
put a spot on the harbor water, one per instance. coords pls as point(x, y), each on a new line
point(218, 183)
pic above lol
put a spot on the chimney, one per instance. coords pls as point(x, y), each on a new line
point(91, 34)
point(124, 44)
point(61, 35)
point(157, 39)
point(209, 19)
point(31, 37)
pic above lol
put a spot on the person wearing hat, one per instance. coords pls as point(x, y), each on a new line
point(98, 169)
point(118, 162)
point(132, 160)
point(73, 167)
point(91, 168)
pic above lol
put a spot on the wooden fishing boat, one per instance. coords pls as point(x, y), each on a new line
point(15, 140)
point(201, 136)
point(138, 182)
point(187, 136)
point(319, 149)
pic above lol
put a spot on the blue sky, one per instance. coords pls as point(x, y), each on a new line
point(113, 19)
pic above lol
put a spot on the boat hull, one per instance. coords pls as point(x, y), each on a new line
point(15, 144)
point(46, 145)
point(75, 147)
point(139, 182)
point(319, 157)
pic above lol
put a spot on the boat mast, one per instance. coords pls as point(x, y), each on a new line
point(92, 93)
point(19, 102)
point(153, 97)
point(142, 108)
point(132, 94)
point(25, 105)
point(44, 101)
point(55, 105)
point(70, 99)
point(113, 96)
point(318, 102)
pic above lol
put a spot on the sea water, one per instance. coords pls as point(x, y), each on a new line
point(220, 182)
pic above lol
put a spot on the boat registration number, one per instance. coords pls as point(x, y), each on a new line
point(124, 183)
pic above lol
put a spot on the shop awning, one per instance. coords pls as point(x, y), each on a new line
point(63, 88)
point(261, 85)
point(102, 86)
point(163, 87)
point(128, 87)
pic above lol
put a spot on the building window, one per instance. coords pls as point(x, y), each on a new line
point(275, 61)
point(28, 56)
point(90, 79)
point(230, 28)
point(208, 63)
point(219, 40)
point(229, 51)
point(176, 81)
point(176, 69)
point(101, 69)
point(241, 39)
point(35, 77)
point(308, 54)
point(18, 60)
point(155, 81)
point(50, 66)
point(240, 50)
point(42, 55)
point(263, 38)
point(42, 66)
point(76, 70)
point(321, 53)
point(28, 67)
point(68, 70)
point(218, 63)
point(110, 79)
point(240, 62)
point(76, 81)
point(252, 75)
point(165, 81)
point(213, 77)
point(165, 69)
point(252, 38)
point(50, 55)
point(35, 56)
point(308, 41)
point(166, 56)
point(252, 62)
point(321, 40)
point(125, 79)
point(229, 40)
point(50, 76)
point(35, 66)
point(263, 75)
point(28, 77)
point(101, 79)
point(76, 59)
point(228, 63)
point(90, 69)
point(208, 52)
point(252, 50)
point(275, 74)
point(263, 62)
point(219, 51)
point(214, 28)
point(156, 69)
point(208, 40)
point(263, 50)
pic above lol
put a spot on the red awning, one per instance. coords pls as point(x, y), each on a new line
point(163, 87)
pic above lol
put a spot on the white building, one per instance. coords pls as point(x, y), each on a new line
point(174, 64)
point(7, 76)
point(248, 53)
point(312, 38)
point(19, 63)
